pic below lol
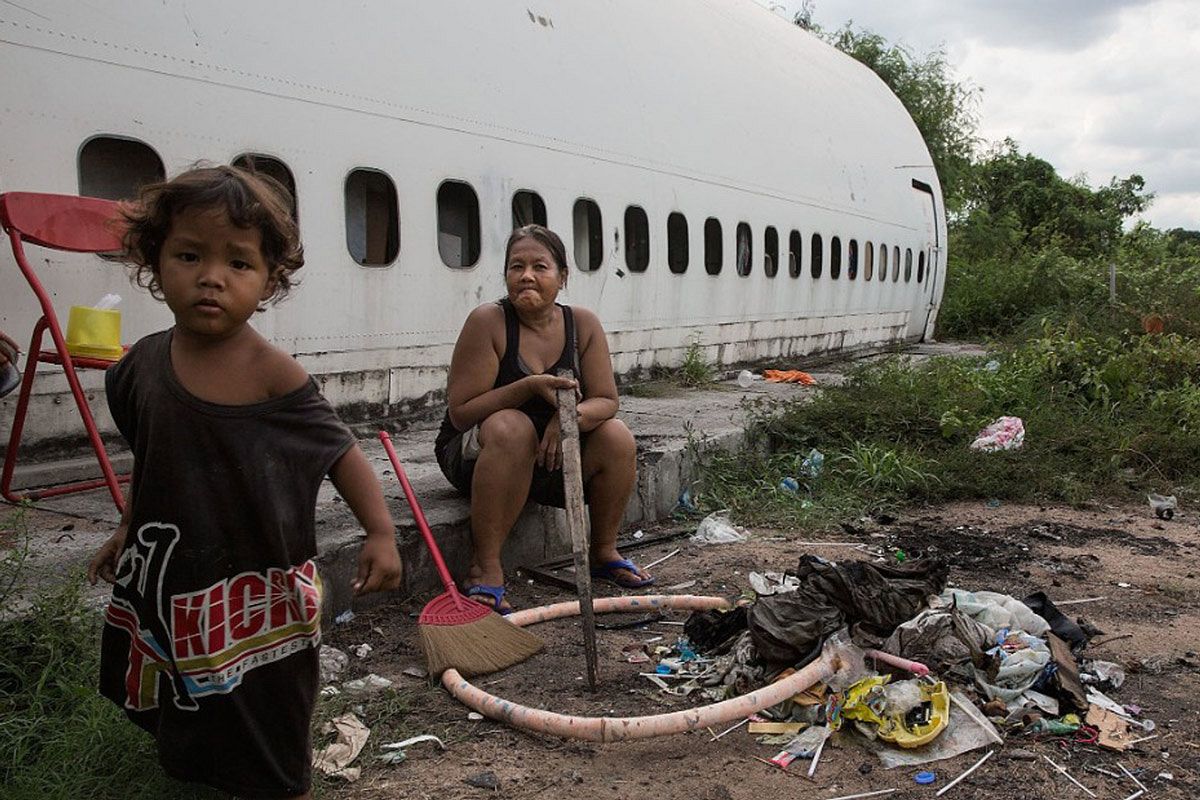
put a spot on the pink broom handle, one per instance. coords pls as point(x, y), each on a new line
point(419, 516)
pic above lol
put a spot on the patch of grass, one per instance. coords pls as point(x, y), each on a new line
point(58, 737)
point(695, 369)
point(1105, 417)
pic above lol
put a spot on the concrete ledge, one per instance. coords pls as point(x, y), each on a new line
point(670, 429)
point(665, 466)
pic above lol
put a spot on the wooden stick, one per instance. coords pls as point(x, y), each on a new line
point(1132, 777)
point(1105, 641)
point(568, 422)
point(1069, 776)
point(971, 769)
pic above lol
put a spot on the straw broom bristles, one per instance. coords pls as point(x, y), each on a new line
point(454, 630)
point(488, 644)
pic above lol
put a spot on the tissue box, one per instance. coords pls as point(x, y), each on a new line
point(94, 333)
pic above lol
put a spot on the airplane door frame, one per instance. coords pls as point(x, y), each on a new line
point(931, 271)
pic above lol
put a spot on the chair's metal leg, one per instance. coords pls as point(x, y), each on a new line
point(18, 423)
point(85, 411)
point(110, 478)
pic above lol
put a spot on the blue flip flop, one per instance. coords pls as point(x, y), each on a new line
point(496, 593)
point(611, 572)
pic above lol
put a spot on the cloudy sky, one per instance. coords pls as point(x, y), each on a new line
point(1096, 87)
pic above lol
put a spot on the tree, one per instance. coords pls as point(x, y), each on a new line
point(1019, 199)
point(943, 109)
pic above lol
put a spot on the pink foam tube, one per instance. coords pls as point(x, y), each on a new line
point(615, 729)
point(915, 667)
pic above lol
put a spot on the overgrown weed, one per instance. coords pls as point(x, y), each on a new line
point(695, 370)
point(58, 737)
point(1106, 416)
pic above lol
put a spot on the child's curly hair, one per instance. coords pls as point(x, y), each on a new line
point(251, 199)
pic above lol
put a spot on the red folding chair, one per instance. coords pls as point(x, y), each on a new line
point(74, 224)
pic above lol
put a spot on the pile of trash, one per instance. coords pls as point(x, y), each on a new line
point(979, 668)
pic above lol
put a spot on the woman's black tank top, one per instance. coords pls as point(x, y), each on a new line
point(513, 369)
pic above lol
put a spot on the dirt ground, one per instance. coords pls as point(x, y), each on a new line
point(1144, 569)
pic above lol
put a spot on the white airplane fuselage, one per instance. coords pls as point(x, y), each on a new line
point(677, 109)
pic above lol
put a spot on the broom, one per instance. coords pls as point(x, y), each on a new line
point(456, 631)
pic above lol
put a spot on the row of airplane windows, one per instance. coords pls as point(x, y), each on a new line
point(114, 167)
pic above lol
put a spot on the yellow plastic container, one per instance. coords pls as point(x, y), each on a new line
point(94, 333)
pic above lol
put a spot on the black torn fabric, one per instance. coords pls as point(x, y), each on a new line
point(710, 632)
point(870, 599)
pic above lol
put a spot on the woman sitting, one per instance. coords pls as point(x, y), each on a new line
point(499, 442)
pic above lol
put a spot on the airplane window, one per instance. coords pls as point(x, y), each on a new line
point(907, 264)
point(818, 255)
point(795, 244)
point(869, 262)
point(527, 209)
point(458, 224)
point(895, 263)
point(637, 239)
point(771, 252)
point(677, 243)
point(883, 262)
point(852, 266)
point(713, 246)
point(115, 168)
point(272, 168)
point(745, 249)
point(589, 238)
point(372, 218)
point(921, 267)
point(835, 257)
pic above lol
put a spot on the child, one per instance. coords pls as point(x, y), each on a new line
point(210, 641)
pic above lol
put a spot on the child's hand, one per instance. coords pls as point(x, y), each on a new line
point(104, 563)
point(378, 565)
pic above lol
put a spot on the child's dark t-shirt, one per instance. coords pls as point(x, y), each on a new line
point(210, 641)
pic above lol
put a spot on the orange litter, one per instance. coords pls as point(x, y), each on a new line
point(788, 376)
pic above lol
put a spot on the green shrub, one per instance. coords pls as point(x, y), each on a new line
point(1105, 416)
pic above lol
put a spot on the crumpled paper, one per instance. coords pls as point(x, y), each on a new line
point(352, 736)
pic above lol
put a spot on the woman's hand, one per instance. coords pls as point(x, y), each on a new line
point(547, 386)
point(549, 455)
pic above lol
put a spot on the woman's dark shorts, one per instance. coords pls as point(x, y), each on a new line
point(457, 454)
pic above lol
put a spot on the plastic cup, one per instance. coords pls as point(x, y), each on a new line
point(746, 377)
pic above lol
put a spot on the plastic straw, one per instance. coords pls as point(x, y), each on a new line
point(817, 757)
point(1069, 776)
point(1138, 793)
point(973, 767)
point(659, 561)
point(864, 794)
point(731, 728)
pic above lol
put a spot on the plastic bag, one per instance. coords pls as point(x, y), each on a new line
point(1104, 674)
point(812, 464)
point(968, 729)
point(717, 529)
point(1006, 433)
point(332, 661)
point(901, 697)
point(1162, 506)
